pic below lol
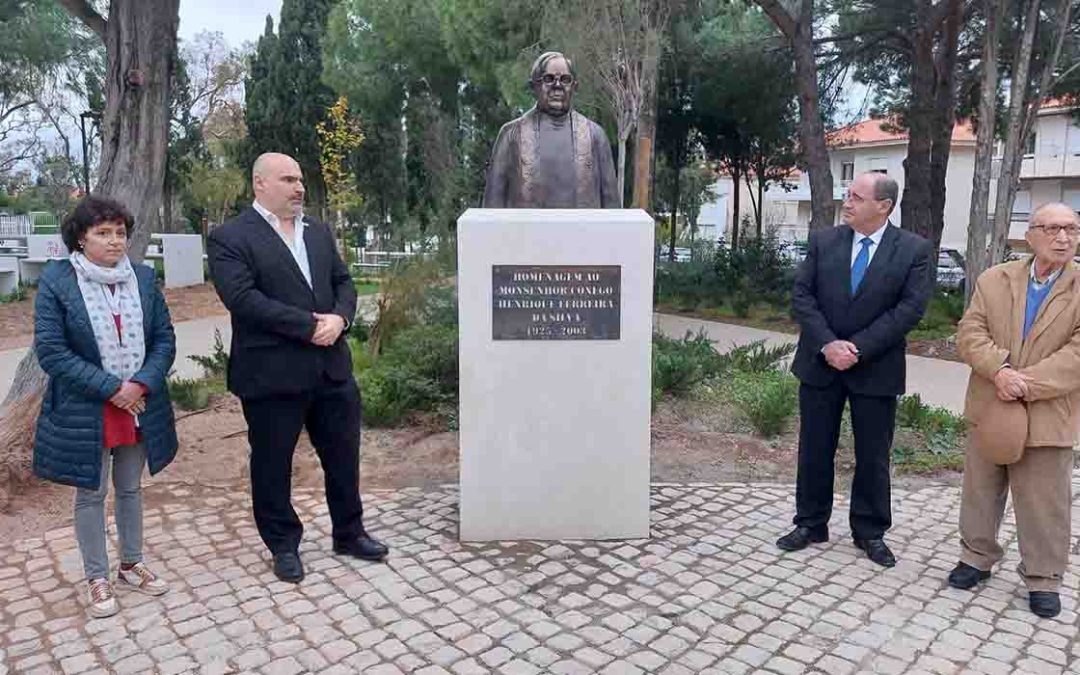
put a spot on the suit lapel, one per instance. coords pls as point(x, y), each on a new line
point(882, 256)
point(276, 244)
point(1055, 303)
point(315, 260)
point(841, 249)
point(1018, 285)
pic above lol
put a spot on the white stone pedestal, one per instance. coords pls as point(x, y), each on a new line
point(555, 433)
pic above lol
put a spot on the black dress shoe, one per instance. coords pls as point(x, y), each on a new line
point(363, 547)
point(287, 567)
point(877, 551)
point(800, 538)
point(964, 576)
point(1046, 604)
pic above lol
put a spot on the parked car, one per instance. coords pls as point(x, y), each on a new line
point(794, 251)
point(950, 269)
point(681, 254)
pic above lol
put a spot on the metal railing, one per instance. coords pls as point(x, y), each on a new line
point(16, 226)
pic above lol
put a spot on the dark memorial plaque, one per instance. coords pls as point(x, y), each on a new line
point(555, 302)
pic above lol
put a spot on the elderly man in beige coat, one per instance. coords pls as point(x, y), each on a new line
point(1021, 337)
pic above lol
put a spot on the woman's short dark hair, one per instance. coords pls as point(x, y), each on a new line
point(91, 211)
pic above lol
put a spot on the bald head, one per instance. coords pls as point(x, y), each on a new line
point(269, 161)
point(1052, 234)
point(870, 199)
point(278, 184)
point(1052, 212)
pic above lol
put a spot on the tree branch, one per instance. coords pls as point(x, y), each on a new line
point(84, 11)
point(779, 16)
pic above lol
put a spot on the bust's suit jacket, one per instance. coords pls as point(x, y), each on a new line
point(273, 307)
point(890, 301)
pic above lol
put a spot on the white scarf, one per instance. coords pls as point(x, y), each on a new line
point(122, 358)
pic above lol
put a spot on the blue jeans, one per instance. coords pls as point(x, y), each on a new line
point(128, 462)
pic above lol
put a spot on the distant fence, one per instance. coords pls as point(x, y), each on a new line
point(16, 226)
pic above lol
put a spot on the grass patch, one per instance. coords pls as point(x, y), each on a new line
point(768, 400)
point(189, 394)
point(17, 295)
point(934, 438)
point(942, 314)
point(366, 286)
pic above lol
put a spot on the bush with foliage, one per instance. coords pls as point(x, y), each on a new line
point(407, 361)
point(755, 272)
point(189, 394)
point(768, 399)
point(217, 363)
point(942, 430)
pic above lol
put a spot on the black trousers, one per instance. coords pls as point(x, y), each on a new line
point(872, 422)
point(331, 415)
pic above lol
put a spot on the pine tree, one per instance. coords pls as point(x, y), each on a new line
point(285, 95)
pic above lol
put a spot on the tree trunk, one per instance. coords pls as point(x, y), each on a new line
point(761, 202)
point(644, 157)
point(975, 262)
point(620, 168)
point(140, 45)
point(811, 127)
point(915, 204)
point(1013, 156)
point(944, 120)
point(735, 208)
point(677, 161)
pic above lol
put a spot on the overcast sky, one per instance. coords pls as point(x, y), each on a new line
point(239, 22)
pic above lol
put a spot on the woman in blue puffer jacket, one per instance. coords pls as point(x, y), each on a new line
point(102, 334)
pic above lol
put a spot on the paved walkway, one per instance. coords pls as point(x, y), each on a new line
point(709, 592)
point(938, 382)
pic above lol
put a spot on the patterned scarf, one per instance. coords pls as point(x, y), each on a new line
point(120, 357)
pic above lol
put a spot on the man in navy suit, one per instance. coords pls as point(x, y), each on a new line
point(862, 287)
point(291, 299)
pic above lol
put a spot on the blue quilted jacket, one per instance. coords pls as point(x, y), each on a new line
point(69, 439)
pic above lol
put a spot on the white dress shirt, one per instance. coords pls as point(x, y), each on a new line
point(296, 245)
point(875, 239)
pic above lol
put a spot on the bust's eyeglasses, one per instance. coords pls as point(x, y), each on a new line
point(1052, 230)
point(549, 79)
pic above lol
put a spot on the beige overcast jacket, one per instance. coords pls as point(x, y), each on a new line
point(990, 334)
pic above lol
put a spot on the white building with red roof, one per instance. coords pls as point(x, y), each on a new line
point(1050, 172)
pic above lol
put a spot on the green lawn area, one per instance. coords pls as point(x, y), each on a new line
point(366, 286)
point(942, 315)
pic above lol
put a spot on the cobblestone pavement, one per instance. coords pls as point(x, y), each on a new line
point(708, 593)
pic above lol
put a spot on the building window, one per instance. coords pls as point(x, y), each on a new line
point(1029, 147)
point(1022, 205)
point(1074, 140)
point(847, 171)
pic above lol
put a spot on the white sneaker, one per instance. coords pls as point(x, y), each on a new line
point(102, 601)
point(140, 578)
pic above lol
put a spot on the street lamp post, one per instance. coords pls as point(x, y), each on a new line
point(96, 117)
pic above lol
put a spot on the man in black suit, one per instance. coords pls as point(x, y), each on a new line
point(291, 299)
point(862, 287)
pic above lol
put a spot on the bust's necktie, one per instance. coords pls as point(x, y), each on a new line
point(858, 270)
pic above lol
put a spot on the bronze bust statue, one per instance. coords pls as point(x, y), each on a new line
point(552, 157)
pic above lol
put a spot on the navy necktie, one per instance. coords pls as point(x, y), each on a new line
point(862, 260)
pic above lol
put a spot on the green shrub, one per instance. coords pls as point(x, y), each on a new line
point(17, 295)
point(217, 363)
point(416, 372)
point(679, 365)
point(392, 392)
point(942, 430)
point(768, 400)
point(428, 351)
point(757, 357)
point(189, 394)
